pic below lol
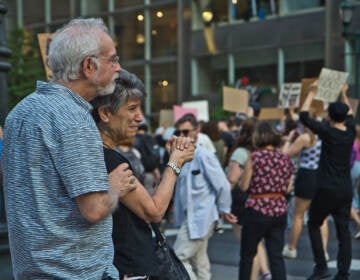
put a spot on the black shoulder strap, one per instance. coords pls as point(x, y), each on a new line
point(160, 238)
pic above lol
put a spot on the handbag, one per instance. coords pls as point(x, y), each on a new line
point(169, 265)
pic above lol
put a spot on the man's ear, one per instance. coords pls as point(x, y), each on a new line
point(89, 66)
point(104, 114)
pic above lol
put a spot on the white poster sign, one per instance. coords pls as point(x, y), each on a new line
point(289, 95)
point(202, 107)
point(330, 84)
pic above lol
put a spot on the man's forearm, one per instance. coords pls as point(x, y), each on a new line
point(309, 98)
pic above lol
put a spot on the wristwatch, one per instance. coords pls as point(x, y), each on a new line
point(174, 167)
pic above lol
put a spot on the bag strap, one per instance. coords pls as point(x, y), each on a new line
point(160, 238)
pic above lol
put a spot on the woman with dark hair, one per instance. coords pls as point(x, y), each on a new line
point(238, 157)
point(268, 175)
point(117, 116)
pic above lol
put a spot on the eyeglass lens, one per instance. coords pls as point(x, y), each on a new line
point(179, 132)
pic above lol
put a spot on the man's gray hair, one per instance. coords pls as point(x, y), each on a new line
point(71, 44)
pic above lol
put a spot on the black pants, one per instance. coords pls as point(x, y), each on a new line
point(256, 227)
point(338, 204)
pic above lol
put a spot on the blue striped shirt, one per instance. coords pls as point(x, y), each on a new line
point(53, 153)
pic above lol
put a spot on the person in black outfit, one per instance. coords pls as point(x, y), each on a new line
point(334, 194)
point(117, 116)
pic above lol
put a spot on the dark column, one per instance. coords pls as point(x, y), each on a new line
point(334, 43)
point(183, 51)
point(5, 52)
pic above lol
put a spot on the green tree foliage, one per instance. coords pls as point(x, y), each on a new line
point(27, 66)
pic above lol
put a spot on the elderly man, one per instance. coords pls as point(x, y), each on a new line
point(58, 194)
point(202, 193)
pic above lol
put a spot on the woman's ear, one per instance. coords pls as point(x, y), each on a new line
point(104, 114)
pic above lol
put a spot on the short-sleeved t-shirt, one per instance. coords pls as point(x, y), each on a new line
point(272, 172)
point(132, 236)
point(53, 154)
point(240, 155)
point(334, 165)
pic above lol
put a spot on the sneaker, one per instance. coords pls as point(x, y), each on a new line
point(287, 253)
point(266, 276)
point(357, 235)
point(319, 274)
point(327, 257)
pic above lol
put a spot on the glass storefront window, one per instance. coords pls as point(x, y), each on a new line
point(60, 9)
point(291, 6)
point(211, 74)
point(127, 3)
point(163, 86)
point(37, 14)
point(164, 31)
point(130, 37)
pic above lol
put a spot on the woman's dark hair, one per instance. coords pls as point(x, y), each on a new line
point(265, 135)
point(187, 118)
point(211, 129)
point(244, 138)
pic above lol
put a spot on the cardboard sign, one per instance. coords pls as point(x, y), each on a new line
point(202, 107)
point(289, 95)
point(330, 84)
point(166, 116)
point(44, 42)
point(317, 106)
point(235, 100)
point(271, 114)
point(180, 111)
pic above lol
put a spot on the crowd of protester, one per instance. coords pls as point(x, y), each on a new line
point(83, 171)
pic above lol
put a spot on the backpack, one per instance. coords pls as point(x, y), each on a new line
point(149, 150)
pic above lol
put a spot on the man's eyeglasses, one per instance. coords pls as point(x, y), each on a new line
point(186, 132)
point(114, 60)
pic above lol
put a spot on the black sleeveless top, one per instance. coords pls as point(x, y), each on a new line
point(132, 236)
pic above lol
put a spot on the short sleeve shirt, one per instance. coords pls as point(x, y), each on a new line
point(53, 154)
point(240, 155)
point(272, 172)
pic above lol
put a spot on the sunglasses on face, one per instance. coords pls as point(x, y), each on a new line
point(185, 132)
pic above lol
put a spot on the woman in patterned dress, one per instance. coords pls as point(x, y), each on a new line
point(268, 179)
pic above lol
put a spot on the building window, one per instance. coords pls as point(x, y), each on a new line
point(163, 86)
point(130, 36)
point(164, 31)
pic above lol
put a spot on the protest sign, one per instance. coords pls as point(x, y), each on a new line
point(289, 95)
point(271, 114)
point(317, 106)
point(44, 43)
point(180, 111)
point(235, 100)
point(202, 107)
point(330, 84)
point(166, 116)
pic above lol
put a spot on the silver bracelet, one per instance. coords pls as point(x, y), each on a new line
point(174, 167)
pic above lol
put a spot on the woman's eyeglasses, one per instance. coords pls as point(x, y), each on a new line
point(186, 132)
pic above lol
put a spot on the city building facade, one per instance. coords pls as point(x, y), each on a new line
point(188, 49)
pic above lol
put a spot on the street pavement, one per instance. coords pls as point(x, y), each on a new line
point(224, 256)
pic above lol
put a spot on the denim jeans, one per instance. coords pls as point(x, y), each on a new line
point(256, 227)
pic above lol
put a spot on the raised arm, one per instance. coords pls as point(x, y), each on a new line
point(345, 99)
point(309, 98)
